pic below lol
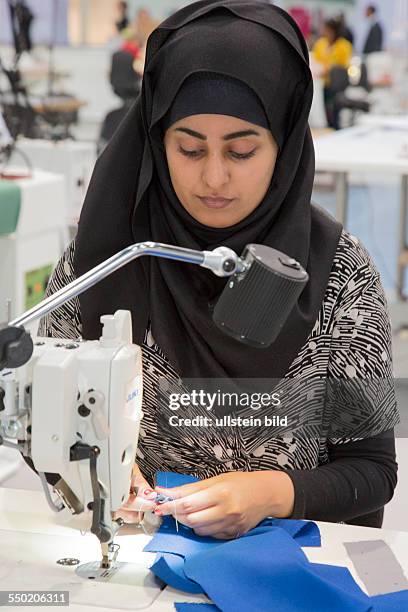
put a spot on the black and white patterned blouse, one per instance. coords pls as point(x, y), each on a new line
point(351, 339)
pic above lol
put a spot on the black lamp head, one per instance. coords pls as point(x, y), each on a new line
point(255, 303)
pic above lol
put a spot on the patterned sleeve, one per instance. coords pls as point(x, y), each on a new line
point(65, 321)
point(361, 391)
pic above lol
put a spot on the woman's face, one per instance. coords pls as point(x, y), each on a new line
point(220, 166)
point(330, 34)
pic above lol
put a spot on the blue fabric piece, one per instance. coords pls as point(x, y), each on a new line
point(195, 607)
point(269, 571)
point(266, 568)
point(174, 479)
point(177, 542)
point(341, 577)
point(184, 542)
point(170, 569)
point(391, 602)
point(306, 533)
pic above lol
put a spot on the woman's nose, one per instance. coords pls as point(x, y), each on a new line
point(215, 172)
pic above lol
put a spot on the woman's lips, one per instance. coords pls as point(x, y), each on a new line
point(216, 202)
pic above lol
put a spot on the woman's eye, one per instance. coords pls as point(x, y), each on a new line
point(196, 153)
point(190, 153)
point(236, 155)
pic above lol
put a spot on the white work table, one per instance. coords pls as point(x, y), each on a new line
point(377, 149)
point(32, 541)
point(391, 121)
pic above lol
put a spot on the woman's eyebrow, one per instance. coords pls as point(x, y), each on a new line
point(240, 134)
point(191, 133)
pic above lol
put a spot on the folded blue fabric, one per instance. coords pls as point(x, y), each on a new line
point(306, 533)
point(339, 576)
point(269, 571)
point(176, 542)
point(170, 569)
point(391, 602)
point(180, 540)
point(276, 540)
point(175, 547)
point(264, 569)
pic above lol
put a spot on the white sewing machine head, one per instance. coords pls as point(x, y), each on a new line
point(75, 410)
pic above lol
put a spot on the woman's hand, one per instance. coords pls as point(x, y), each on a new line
point(139, 499)
point(231, 504)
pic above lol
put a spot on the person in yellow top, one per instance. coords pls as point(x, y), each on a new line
point(332, 51)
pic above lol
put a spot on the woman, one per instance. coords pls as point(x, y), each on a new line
point(332, 49)
point(333, 53)
point(217, 151)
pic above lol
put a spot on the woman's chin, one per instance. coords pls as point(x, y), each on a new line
point(216, 219)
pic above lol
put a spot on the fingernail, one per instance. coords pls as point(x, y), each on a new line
point(158, 512)
point(150, 494)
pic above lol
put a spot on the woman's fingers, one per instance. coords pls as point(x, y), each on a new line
point(203, 518)
point(191, 503)
point(139, 504)
point(184, 490)
point(139, 500)
point(140, 489)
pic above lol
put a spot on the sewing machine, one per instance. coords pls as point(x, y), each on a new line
point(32, 235)
point(74, 160)
point(74, 407)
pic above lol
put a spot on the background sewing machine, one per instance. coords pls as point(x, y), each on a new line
point(32, 236)
point(74, 160)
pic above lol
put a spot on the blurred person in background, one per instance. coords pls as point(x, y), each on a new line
point(333, 52)
point(345, 30)
point(374, 40)
point(303, 18)
point(21, 22)
point(123, 21)
point(332, 49)
point(144, 25)
point(130, 42)
point(125, 76)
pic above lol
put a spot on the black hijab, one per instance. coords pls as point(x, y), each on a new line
point(131, 198)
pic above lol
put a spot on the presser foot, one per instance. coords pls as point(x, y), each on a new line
point(102, 570)
point(109, 554)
